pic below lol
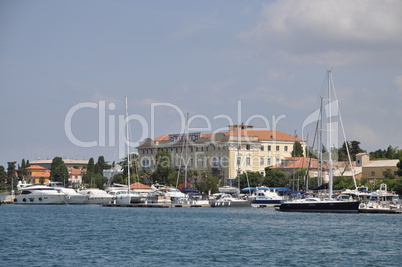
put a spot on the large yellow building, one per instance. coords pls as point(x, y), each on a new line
point(216, 153)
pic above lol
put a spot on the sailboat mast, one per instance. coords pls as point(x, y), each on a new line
point(320, 145)
point(330, 134)
point(238, 155)
point(128, 149)
point(186, 147)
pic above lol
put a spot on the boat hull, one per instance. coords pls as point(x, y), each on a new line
point(230, 204)
point(335, 207)
point(39, 199)
point(266, 203)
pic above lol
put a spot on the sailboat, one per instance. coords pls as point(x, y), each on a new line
point(126, 196)
point(229, 195)
point(328, 204)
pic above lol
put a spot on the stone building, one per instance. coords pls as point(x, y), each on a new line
point(222, 154)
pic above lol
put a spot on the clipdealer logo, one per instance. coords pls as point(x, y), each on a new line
point(112, 128)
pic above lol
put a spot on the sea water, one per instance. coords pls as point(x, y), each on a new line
point(85, 235)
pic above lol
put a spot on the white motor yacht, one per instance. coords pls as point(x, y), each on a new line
point(228, 200)
point(123, 196)
point(71, 196)
point(39, 194)
point(96, 196)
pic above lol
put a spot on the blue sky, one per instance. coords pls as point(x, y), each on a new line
point(201, 57)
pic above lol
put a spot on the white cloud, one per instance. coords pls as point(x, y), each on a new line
point(330, 32)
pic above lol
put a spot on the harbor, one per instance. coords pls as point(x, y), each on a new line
point(68, 235)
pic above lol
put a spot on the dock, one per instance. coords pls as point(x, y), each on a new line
point(155, 205)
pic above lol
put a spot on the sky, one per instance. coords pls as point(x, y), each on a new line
point(66, 68)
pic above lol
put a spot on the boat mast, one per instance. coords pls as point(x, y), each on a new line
point(128, 149)
point(320, 145)
point(330, 134)
point(238, 156)
point(186, 147)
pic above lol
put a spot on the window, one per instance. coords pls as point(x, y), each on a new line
point(396, 173)
point(248, 147)
point(261, 161)
point(269, 148)
point(269, 162)
point(286, 148)
point(278, 160)
point(262, 147)
point(248, 161)
point(277, 148)
point(372, 173)
point(201, 161)
point(215, 161)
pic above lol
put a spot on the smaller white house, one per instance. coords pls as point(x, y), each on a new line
point(109, 173)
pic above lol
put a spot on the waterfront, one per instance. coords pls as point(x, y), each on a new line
point(89, 235)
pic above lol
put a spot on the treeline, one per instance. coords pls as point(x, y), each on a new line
point(389, 153)
point(93, 176)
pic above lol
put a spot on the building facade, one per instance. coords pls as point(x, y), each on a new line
point(37, 174)
point(73, 163)
point(376, 169)
point(221, 154)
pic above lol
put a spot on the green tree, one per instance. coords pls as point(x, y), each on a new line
point(391, 152)
point(21, 170)
point(98, 169)
point(103, 164)
point(252, 178)
point(58, 170)
point(397, 186)
point(299, 179)
point(209, 184)
point(297, 149)
point(341, 183)
point(275, 178)
point(399, 165)
point(3, 179)
point(163, 168)
point(86, 178)
point(99, 181)
point(354, 148)
point(11, 174)
point(91, 166)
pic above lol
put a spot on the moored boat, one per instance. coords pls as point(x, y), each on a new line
point(96, 196)
point(71, 196)
point(328, 204)
point(319, 205)
point(381, 201)
point(39, 194)
point(228, 200)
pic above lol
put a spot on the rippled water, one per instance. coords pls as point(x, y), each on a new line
point(105, 236)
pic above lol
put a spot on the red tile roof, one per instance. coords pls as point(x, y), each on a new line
point(73, 171)
point(35, 167)
point(262, 135)
point(298, 163)
point(265, 135)
point(139, 186)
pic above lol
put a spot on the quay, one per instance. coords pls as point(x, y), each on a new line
point(154, 205)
